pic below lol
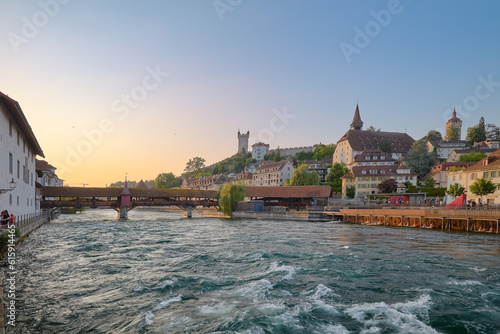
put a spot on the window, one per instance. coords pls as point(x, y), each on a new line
point(17, 200)
point(18, 169)
point(382, 171)
point(486, 175)
point(363, 172)
point(10, 199)
point(17, 138)
point(11, 163)
point(382, 157)
point(27, 202)
point(493, 174)
point(374, 157)
point(10, 127)
point(473, 176)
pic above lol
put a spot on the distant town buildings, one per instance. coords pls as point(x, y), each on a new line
point(212, 182)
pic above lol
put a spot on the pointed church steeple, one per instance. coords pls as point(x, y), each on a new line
point(357, 123)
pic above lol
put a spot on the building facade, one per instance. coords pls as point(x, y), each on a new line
point(18, 149)
point(273, 174)
point(440, 172)
point(365, 179)
point(259, 151)
point(356, 140)
point(443, 148)
point(488, 168)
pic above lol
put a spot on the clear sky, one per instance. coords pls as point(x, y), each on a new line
point(140, 87)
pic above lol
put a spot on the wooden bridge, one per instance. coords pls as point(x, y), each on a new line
point(125, 199)
point(486, 220)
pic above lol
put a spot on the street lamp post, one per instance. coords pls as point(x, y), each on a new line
point(12, 185)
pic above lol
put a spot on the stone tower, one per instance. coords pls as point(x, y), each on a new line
point(357, 123)
point(456, 122)
point(243, 141)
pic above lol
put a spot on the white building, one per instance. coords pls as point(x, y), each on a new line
point(259, 151)
point(18, 150)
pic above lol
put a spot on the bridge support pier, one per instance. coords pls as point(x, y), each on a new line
point(189, 212)
point(123, 212)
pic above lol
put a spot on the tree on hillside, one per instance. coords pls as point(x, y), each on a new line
point(482, 187)
point(229, 195)
point(323, 151)
point(336, 172)
point(471, 157)
point(492, 132)
point(429, 182)
point(301, 156)
point(388, 186)
point(476, 133)
point(418, 159)
point(433, 135)
point(167, 180)
point(194, 164)
point(452, 133)
point(384, 146)
point(455, 190)
point(301, 176)
point(277, 156)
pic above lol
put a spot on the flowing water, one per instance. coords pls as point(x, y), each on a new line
point(160, 273)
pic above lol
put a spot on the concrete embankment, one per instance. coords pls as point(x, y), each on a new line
point(289, 215)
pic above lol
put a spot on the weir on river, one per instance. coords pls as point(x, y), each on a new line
point(451, 220)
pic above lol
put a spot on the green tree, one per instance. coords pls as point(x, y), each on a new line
point(429, 182)
point(433, 135)
point(476, 133)
point(492, 132)
point(277, 156)
point(194, 164)
point(452, 133)
point(388, 186)
point(167, 180)
point(323, 151)
point(372, 128)
point(419, 160)
point(336, 172)
point(455, 190)
point(482, 187)
point(229, 195)
point(384, 146)
point(302, 156)
point(301, 176)
point(471, 157)
point(350, 191)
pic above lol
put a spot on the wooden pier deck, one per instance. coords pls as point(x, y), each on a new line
point(458, 220)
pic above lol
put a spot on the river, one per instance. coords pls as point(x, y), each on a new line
point(160, 273)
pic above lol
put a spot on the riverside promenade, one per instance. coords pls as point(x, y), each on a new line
point(463, 219)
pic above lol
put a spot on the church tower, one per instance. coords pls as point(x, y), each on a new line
point(357, 123)
point(243, 141)
point(455, 122)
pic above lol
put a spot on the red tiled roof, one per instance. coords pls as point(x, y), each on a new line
point(289, 192)
point(115, 192)
point(268, 167)
point(360, 140)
